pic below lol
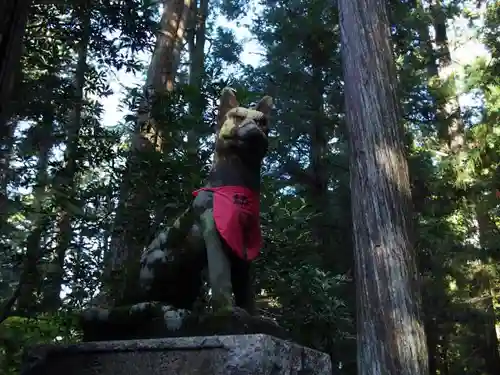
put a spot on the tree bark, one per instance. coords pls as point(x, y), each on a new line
point(13, 16)
point(391, 338)
point(169, 43)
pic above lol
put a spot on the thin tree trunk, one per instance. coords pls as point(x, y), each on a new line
point(132, 224)
point(391, 338)
point(68, 175)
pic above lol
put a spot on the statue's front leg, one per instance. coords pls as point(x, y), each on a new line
point(243, 285)
point(219, 265)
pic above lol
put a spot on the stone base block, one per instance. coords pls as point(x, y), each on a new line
point(210, 355)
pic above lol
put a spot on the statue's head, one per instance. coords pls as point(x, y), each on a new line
point(242, 131)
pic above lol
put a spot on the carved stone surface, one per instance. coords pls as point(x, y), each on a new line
point(231, 355)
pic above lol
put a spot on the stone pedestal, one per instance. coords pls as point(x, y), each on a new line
point(204, 355)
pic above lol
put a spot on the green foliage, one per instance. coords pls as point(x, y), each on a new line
point(305, 273)
point(234, 9)
point(225, 47)
point(18, 333)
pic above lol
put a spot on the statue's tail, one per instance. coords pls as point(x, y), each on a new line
point(175, 235)
point(181, 228)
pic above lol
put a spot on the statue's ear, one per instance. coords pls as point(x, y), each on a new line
point(227, 102)
point(265, 105)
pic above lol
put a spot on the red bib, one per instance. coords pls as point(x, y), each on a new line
point(237, 218)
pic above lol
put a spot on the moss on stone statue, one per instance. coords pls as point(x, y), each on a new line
point(148, 319)
point(156, 320)
point(230, 323)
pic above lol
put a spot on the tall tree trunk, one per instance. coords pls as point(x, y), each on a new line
point(66, 179)
point(391, 338)
point(13, 16)
point(30, 275)
point(132, 225)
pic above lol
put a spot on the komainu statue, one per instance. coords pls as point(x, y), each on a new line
point(218, 233)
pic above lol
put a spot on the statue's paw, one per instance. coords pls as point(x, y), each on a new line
point(174, 318)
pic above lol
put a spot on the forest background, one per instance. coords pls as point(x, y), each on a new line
point(109, 134)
